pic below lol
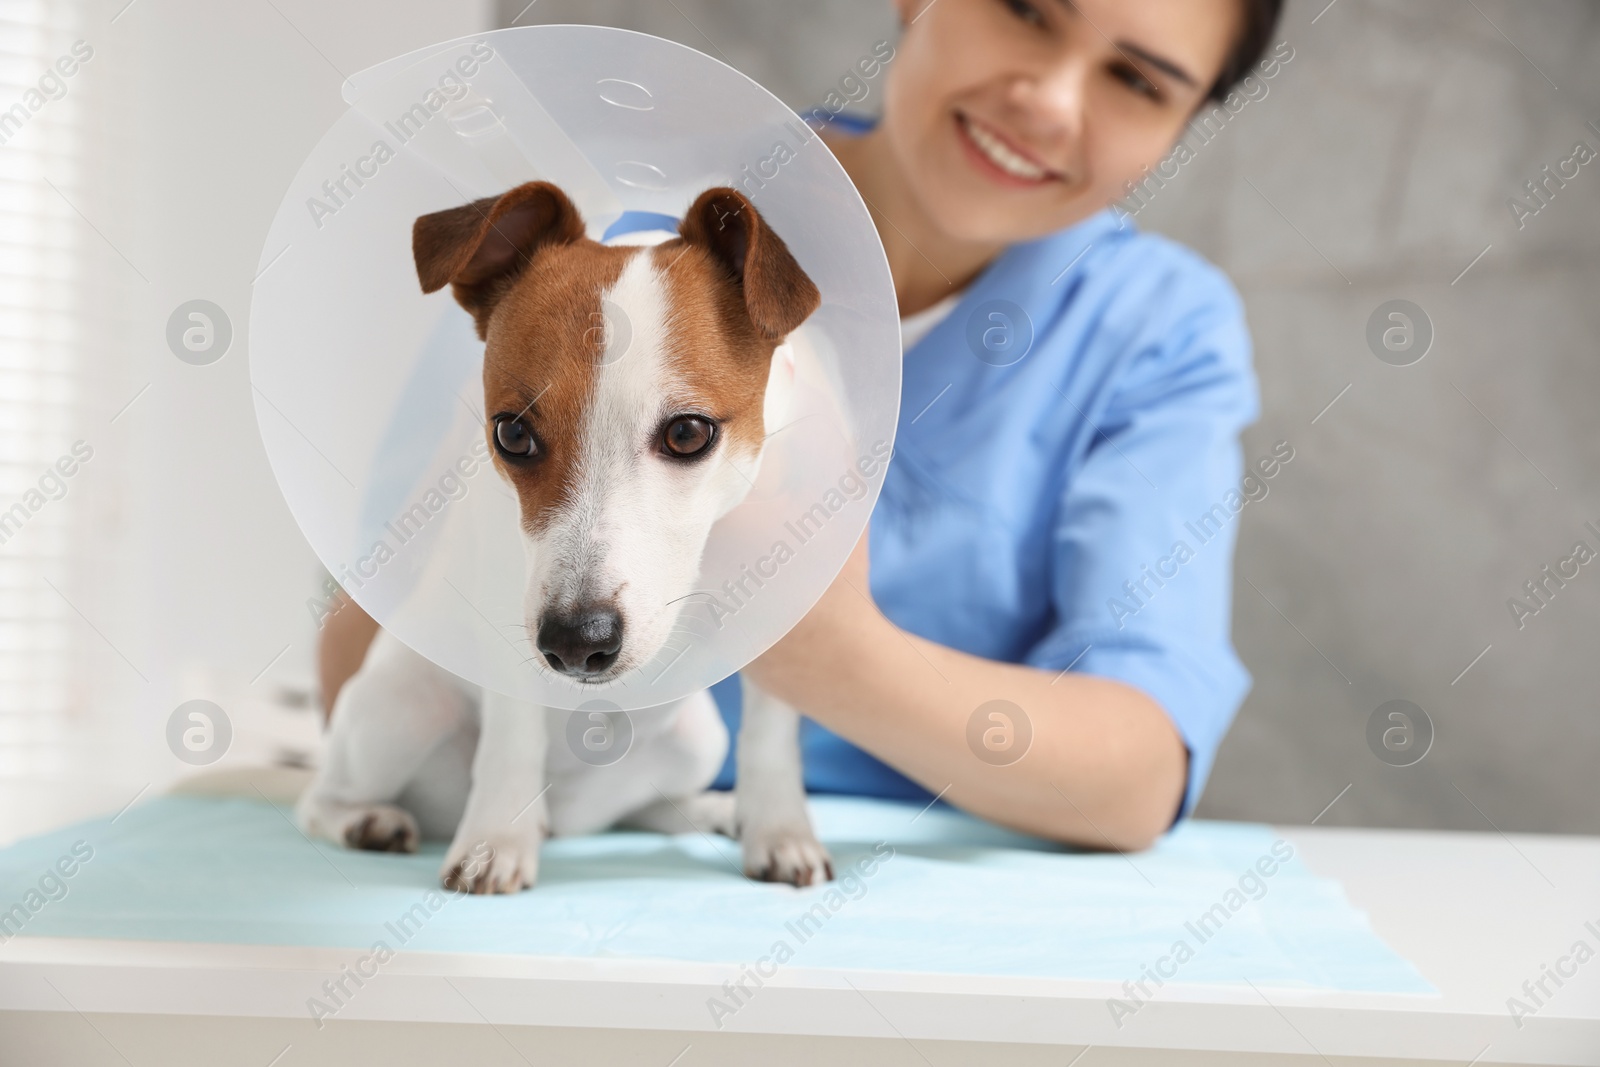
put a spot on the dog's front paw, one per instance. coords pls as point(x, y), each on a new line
point(785, 854)
point(481, 865)
point(382, 828)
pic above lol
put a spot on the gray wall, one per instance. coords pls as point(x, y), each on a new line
point(1377, 167)
point(1428, 494)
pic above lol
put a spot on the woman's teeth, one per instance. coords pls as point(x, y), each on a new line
point(1001, 156)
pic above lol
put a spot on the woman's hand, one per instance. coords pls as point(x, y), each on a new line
point(855, 568)
point(843, 608)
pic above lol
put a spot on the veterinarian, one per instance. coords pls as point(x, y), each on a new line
point(1030, 630)
point(1073, 396)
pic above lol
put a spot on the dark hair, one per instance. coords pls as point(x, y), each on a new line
point(1260, 21)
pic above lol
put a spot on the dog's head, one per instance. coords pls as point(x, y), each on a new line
point(625, 391)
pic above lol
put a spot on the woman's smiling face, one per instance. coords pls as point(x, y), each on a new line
point(1013, 118)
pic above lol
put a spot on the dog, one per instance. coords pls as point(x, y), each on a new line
point(621, 462)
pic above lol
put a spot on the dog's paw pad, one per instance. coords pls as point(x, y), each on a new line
point(793, 856)
point(383, 829)
point(501, 867)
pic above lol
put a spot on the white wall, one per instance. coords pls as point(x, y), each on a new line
point(214, 108)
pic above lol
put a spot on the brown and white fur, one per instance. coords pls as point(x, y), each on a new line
point(614, 518)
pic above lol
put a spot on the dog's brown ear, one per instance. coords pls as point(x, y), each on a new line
point(479, 249)
point(778, 295)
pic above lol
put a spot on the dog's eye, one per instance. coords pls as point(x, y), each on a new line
point(513, 439)
point(687, 436)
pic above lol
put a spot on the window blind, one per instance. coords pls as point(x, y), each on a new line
point(42, 332)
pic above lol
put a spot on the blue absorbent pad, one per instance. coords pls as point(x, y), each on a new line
point(929, 892)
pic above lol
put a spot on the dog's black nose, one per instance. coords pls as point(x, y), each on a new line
point(582, 643)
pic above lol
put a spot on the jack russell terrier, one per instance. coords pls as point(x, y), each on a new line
point(621, 463)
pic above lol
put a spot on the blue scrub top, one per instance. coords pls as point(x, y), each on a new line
point(1066, 483)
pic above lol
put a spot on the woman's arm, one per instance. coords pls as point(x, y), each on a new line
point(341, 648)
point(1106, 767)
